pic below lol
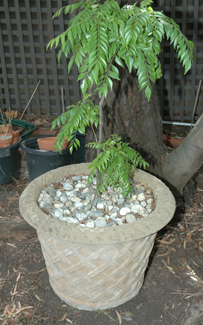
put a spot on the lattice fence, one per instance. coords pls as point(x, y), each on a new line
point(177, 92)
point(26, 27)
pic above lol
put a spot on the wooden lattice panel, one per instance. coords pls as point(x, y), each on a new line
point(177, 92)
point(26, 27)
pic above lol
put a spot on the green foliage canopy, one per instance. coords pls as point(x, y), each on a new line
point(103, 35)
point(100, 38)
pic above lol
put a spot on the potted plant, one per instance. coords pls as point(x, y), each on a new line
point(9, 144)
point(8, 136)
point(48, 143)
point(99, 268)
point(43, 159)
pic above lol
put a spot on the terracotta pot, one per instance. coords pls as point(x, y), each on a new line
point(165, 138)
point(96, 268)
point(174, 142)
point(48, 143)
point(6, 141)
point(16, 135)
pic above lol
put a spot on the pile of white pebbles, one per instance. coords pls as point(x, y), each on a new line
point(74, 200)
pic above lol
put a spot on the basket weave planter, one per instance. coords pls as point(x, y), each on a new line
point(96, 268)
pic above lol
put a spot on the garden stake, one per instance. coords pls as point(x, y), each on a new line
point(30, 100)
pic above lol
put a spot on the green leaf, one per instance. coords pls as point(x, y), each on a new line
point(109, 82)
point(70, 63)
point(113, 75)
point(129, 62)
point(70, 37)
point(81, 76)
point(104, 89)
point(84, 86)
point(119, 61)
point(148, 92)
point(90, 81)
point(95, 73)
point(103, 62)
point(74, 6)
point(187, 66)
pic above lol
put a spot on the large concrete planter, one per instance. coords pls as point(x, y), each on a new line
point(96, 268)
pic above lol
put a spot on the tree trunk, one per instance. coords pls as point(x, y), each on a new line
point(128, 113)
point(183, 162)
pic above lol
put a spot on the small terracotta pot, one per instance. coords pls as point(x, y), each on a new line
point(174, 142)
point(6, 141)
point(48, 143)
point(165, 138)
point(16, 135)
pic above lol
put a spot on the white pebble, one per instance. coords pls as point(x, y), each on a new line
point(141, 197)
point(58, 193)
point(100, 222)
point(58, 213)
point(68, 212)
point(101, 205)
point(130, 218)
point(72, 220)
point(76, 178)
point(58, 205)
point(70, 193)
point(78, 204)
point(113, 216)
point(143, 212)
point(124, 211)
point(80, 186)
point(63, 198)
point(143, 204)
point(81, 216)
point(75, 199)
point(68, 187)
point(90, 224)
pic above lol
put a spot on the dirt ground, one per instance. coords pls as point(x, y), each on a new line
point(171, 295)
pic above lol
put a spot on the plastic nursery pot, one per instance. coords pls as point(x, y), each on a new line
point(48, 143)
point(96, 268)
point(6, 140)
point(9, 163)
point(42, 161)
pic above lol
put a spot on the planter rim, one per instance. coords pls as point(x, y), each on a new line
point(33, 151)
point(163, 213)
point(12, 145)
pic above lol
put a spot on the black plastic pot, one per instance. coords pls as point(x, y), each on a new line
point(42, 161)
point(9, 163)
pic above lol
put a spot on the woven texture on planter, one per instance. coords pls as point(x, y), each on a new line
point(92, 277)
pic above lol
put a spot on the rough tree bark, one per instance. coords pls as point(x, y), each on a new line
point(183, 162)
point(128, 113)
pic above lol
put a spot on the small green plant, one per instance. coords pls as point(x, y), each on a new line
point(101, 38)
